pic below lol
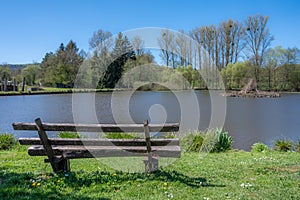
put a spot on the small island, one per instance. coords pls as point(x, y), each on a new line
point(250, 90)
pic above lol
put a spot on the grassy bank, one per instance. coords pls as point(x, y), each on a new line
point(231, 175)
point(48, 90)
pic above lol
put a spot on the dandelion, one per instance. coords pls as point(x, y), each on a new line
point(58, 180)
point(165, 184)
point(114, 174)
point(34, 184)
point(38, 184)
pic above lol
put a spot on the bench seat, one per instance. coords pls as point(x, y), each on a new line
point(72, 152)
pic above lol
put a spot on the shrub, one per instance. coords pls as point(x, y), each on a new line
point(6, 141)
point(259, 147)
point(297, 146)
point(223, 142)
point(283, 145)
point(121, 136)
point(196, 143)
point(69, 135)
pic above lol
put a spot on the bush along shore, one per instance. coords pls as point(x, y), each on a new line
point(223, 173)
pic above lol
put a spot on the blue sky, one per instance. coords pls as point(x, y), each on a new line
point(31, 28)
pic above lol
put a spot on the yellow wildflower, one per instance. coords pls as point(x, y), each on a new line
point(165, 184)
point(38, 184)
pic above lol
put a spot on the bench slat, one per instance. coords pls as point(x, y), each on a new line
point(72, 152)
point(168, 127)
point(100, 142)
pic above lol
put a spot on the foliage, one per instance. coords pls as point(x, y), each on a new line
point(121, 135)
point(31, 73)
point(196, 143)
point(236, 75)
point(69, 135)
point(259, 147)
point(223, 142)
point(283, 145)
point(212, 140)
point(297, 146)
point(59, 69)
point(7, 141)
point(5, 73)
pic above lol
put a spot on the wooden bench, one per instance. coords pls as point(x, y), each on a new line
point(59, 151)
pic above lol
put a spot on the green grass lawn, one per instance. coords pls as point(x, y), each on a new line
point(231, 175)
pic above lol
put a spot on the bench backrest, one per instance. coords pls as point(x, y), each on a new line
point(168, 127)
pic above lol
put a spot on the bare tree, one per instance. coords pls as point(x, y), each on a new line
point(258, 39)
point(181, 47)
point(165, 44)
point(138, 45)
point(198, 34)
point(101, 43)
point(230, 42)
point(100, 39)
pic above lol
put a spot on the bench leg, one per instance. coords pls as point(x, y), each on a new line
point(59, 164)
point(64, 165)
point(154, 167)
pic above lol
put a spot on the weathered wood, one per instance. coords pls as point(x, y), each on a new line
point(47, 147)
point(60, 150)
point(154, 163)
point(100, 142)
point(72, 152)
point(148, 145)
point(168, 127)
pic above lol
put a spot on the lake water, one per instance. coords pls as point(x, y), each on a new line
point(247, 120)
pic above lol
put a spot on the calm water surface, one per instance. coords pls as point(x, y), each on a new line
point(247, 120)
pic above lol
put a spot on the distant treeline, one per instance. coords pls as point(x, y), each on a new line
point(238, 50)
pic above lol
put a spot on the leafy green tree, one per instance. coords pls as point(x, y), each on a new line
point(5, 73)
point(31, 73)
point(275, 57)
point(237, 75)
point(60, 69)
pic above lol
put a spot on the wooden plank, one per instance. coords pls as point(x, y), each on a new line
point(44, 139)
point(149, 167)
point(72, 152)
point(46, 145)
point(100, 142)
point(168, 127)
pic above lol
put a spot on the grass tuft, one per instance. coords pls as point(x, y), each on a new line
point(7, 141)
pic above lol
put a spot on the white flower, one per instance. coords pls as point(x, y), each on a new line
point(246, 185)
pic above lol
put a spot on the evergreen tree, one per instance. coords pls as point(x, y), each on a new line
point(122, 51)
point(60, 69)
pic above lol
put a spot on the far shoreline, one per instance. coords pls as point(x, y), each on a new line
point(74, 91)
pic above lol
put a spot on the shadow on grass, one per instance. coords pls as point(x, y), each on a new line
point(76, 178)
point(20, 186)
point(80, 184)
